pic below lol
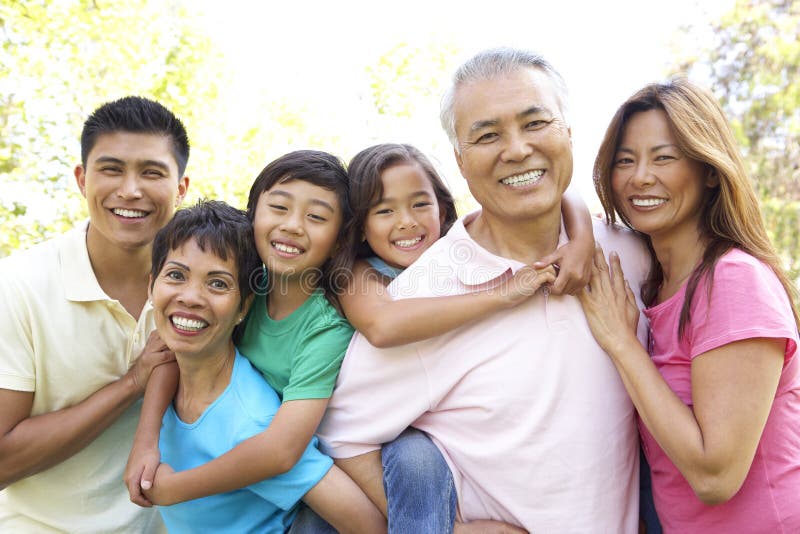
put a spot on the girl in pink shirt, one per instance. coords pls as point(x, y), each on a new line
point(718, 395)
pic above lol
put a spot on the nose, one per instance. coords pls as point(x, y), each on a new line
point(130, 187)
point(292, 223)
point(517, 147)
point(406, 220)
point(191, 294)
point(642, 175)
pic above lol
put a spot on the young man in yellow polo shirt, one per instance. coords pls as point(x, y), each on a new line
point(75, 355)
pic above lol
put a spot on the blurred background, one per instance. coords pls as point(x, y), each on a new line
point(253, 80)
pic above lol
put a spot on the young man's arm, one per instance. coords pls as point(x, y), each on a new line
point(30, 444)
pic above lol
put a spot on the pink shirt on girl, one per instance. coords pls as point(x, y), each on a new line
point(747, 301)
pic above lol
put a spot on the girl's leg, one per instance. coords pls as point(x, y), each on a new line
point(419, 487)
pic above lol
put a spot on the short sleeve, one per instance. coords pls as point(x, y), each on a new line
point(17, 369)
point(285, 490)
point(316, 364)
point(746, 301)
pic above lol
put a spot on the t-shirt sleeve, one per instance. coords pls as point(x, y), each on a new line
point(285, 490)
point(316, 364)
point(17, 369)
point(747, 301)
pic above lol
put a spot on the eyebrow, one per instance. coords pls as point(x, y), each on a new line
point(315, 201)
point(140, 163)
point(533, 110)
point(186, 268)
point(654, 149)
point(420, 193)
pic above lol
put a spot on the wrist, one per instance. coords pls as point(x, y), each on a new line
point(622, 346)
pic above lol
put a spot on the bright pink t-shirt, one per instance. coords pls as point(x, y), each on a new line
point(747, 301)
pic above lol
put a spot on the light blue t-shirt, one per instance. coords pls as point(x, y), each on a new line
point(245, 408)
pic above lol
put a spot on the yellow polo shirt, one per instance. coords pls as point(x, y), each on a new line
point(63, 338)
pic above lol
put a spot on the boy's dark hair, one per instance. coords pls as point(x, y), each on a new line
point(216, 225)
point(135, 114)
point(366, 189)
point(320, 169)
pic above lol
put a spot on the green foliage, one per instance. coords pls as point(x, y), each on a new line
point(59, 59)
point(754, 68)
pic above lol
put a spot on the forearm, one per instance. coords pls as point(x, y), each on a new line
point(577, 220)
point(40, 442)
point(366, 470)
point(404, 321)
point(671, 422)
point(159, 394)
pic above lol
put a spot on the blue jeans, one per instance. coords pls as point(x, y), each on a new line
point(647, 509)
point(419, 488)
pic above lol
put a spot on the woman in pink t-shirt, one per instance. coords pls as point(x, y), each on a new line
point(718, 395)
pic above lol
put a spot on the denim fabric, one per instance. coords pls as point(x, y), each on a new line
point(419, 486)
point(647, 508)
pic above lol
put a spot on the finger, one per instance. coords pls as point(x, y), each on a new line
point(630, 294)
point(552, 258)
point(135, 491)
point(600, 258)
point(617, 276)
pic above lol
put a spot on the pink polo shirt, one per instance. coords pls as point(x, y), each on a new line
point(747, 301)
point(528, 411)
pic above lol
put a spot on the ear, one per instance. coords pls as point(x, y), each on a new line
point(712, 178)
point(80, 178)
point(150, 287)
point(246, 307)
point(183, 187)
point(459, 161)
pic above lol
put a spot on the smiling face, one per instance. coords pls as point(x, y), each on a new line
point(515, 148)
point(406, 221)
point(196, 301)
point(296, 224)
point(132, 188)
point(656, 186)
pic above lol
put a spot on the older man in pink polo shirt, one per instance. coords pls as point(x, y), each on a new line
point(528, 412)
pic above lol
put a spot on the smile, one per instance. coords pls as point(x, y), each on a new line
point(286, 249)
point(524, 179)
point(407, 243)
point(188, 325)
point(129, 214)
point(648, 202)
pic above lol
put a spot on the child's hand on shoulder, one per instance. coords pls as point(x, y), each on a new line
point(573, 266)
point(525, 282)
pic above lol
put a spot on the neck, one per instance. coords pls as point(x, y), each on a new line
point(287, 295)
point(678, 253)
point(203, 378)
point(122, 273)
point(524, 241)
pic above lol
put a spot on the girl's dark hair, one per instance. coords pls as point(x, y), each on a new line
point(366, 189)
point(219, 227)
point(320, 169)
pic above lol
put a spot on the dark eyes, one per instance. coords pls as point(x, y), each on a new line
point(422, 204)
point(218, 284)
point(487, 137)
point(174, 275)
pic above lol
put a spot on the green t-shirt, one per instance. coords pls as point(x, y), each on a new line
point(300, 355)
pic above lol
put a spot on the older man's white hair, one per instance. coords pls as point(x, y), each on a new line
point(490, 64)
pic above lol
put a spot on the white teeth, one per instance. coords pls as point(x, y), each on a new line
point(192, 325)
point(129, 214)
point(286, 248)
point(405, 243)
point(647, 202)
point(527, 178)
